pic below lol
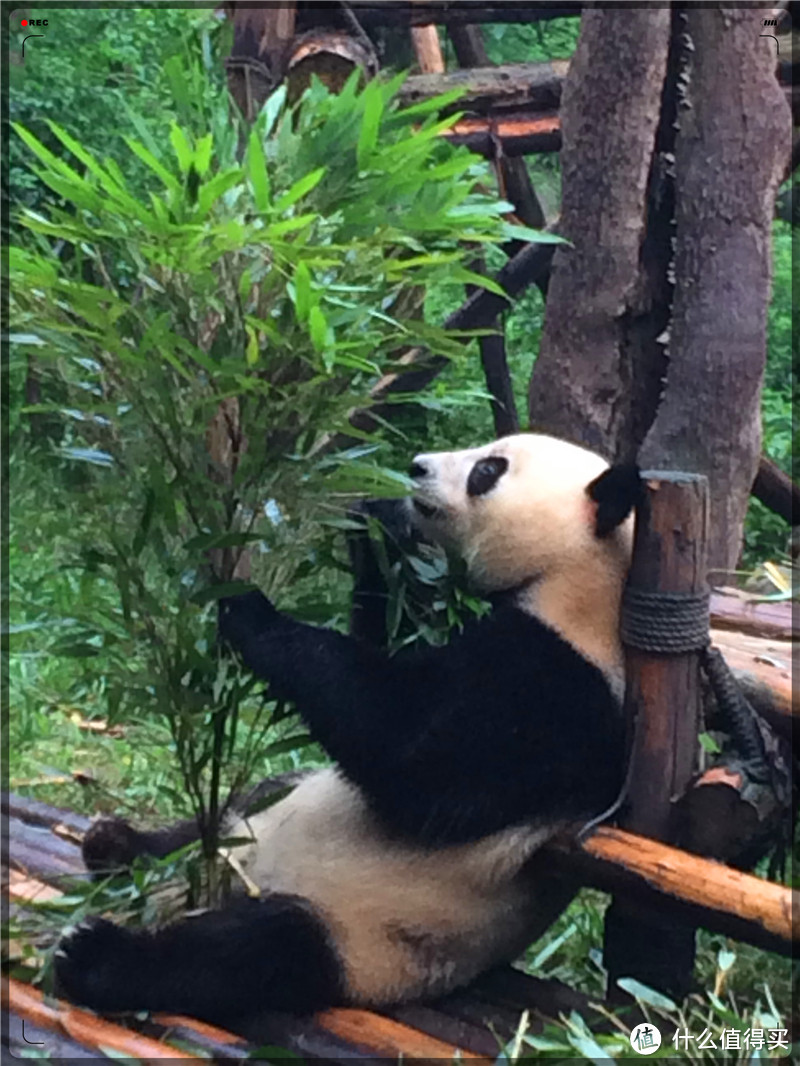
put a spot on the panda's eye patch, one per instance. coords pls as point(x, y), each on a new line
point(485, 475)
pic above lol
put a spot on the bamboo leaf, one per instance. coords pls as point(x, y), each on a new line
point(300, 189)
point(251, 351)
point(645, 994)
point(271, 109)
point(147, 157)
point(180, 146)
point(216, 187)
point(318, 329)
point(514, 232)
point(202, 154)
point(302, 292)
point(370, 124)
point(257, 171)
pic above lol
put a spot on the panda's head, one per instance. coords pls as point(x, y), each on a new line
point(540, 517)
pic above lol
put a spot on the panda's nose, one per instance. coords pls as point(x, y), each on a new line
point(418, 469)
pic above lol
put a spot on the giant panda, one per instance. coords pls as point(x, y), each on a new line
point(410, 866)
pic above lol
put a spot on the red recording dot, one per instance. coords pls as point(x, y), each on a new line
point(24, 22)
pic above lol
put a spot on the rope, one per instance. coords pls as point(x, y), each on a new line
point(667, 623)
point(676, 623)
point(739, 715)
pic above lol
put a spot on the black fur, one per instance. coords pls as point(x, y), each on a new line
point(221, 966)
point(616, 492)
point(485, 474)
point(504, 724)
point(111, 844)
point(368, 616)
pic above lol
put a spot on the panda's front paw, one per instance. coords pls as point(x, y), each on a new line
point(103, 966)
point(243, 617)
point(110, 846)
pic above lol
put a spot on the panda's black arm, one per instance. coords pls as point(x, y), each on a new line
point(503, 724)
point(346, 690)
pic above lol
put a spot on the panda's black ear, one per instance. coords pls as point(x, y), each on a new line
point(616, 492)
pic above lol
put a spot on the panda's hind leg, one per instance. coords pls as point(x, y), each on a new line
point(220, 966)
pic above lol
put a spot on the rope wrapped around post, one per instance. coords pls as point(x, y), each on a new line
point(676, 623)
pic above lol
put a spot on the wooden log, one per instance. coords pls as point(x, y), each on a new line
point(329, 55)
point(460, 1032)
point(34, 812)
point(685, 887)
point(759, 618)
point(469, 46)
point(513, 178)
point(764, 670)
point(22, 889)
point(81, 1026)
point(24, 1036)
point(212, 1042)
point(449, 12)
point(427, 49)
point(663, 695)
point(386, 1038)
point(36, 851)
point(485, 90)
point(522, 134)
point(663, 700)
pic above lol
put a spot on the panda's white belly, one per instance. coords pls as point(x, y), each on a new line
point(406, 922)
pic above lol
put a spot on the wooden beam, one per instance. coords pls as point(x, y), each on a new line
point(469, 45)
point(763, 669)
point(386, 1038)
point(774, 621)
point(514, 185)
point(84, 1027)
point(523, 134)
point(523, 86)
point(449, 12)
point(686, 887)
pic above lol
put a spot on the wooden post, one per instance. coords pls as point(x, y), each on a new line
point(427, 49)
point(663, 699)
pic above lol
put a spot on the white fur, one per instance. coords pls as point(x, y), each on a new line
point(406, 922)
point(535, 530)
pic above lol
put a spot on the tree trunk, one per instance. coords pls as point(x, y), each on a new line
point(581, 387)
point(257, 63)
point(730, 150)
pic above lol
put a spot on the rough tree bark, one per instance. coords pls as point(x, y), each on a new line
point(582, 382)
point(261, 39)
point(731, 147)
